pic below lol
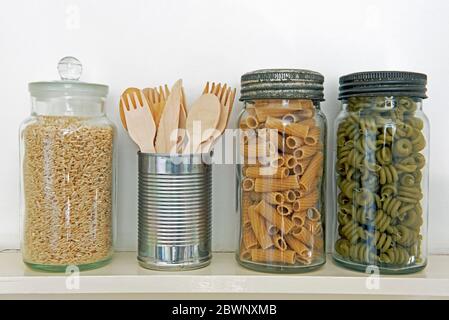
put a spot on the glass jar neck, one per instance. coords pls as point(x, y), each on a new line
point(382, 103)
point(72, 106)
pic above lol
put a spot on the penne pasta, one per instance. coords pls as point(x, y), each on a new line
point(279, 242)
point(249, 238)
point(272, 172)
point(289, 195)
point(313, 226)
point(284, 224)
point(274, 198)
point(272, 229)
point(303, 235)
point(270, 185)
point(313, 136)
point(308, 201)
point(295, 129)
point(290, 118)
point(273, 255)
point(290, 161)
point(301, 249)
point(299, 218)
point(306, 151)
point(313, 214)
point(314, 170)
point(252, 122)
point(259, 228)
point(294, 142)
point(248, 184)
point(284, 209)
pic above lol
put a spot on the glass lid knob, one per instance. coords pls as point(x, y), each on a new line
point(70, 68)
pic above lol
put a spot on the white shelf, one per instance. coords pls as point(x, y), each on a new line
point(223, 276)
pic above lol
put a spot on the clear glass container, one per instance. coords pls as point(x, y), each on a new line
point(281, 175)
point(381, 173)
point(67, 174)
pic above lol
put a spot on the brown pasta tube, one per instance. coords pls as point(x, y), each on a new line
point(313, 136)
point(313, 226)
point(318, 243)
point(293, 142)
point(290, 161)
point(306, 151)
point(284, 209)
point(252, 122)
point(270, 185)
point(284, 224)
point(294, 129)
point(274, 198)
point(259, 150)
point(289, 195)
point(272, 229)
point(304, 260)
point(300, 248)
point(290, 118)
point(314, 170)
point(271, 172)
point(259, 228)
point(279, 242)
point(299, 218)
point(313, 214)
point(248, 184)
point(276, 161)
point(273, 255)
point(309, 200)
point(249, 238)
point(303, 235)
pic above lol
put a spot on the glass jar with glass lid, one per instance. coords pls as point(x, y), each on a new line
point(67, 174)
point(381, 172)
point(281, 171)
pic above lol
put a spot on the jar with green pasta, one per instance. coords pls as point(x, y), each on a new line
point(381, 172)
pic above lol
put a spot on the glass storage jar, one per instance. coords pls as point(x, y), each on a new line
point(281, 171)
point(67, 174)
point(381, 172)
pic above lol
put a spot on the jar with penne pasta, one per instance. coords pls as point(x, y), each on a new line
point(281, 171)
point(381, 172)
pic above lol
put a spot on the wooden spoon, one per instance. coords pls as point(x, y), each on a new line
point(202, 121)
point(226, 96)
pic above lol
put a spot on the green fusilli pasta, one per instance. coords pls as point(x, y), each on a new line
point(379, 172)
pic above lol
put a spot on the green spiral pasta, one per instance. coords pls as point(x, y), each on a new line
point(379, 173)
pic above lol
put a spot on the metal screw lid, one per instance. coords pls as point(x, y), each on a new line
point(383, 83)
point(282, 84)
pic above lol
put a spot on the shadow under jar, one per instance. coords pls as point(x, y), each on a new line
point(281, 171)
point(67, 175)
point(381, 172)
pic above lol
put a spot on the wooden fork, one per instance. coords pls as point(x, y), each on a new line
point(226, 96)
point(139, 120)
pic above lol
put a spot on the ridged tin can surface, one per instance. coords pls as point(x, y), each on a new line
point(175, 209)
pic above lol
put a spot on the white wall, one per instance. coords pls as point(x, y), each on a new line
point(141, 42)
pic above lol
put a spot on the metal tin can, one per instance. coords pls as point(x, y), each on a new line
point(175, 211)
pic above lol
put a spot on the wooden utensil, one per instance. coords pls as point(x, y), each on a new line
point(166, 139)
point(139, 120)
point(226, 96)
point(202, 121)
point(128, 91)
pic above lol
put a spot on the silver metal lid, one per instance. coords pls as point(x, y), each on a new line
point(282, 84)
